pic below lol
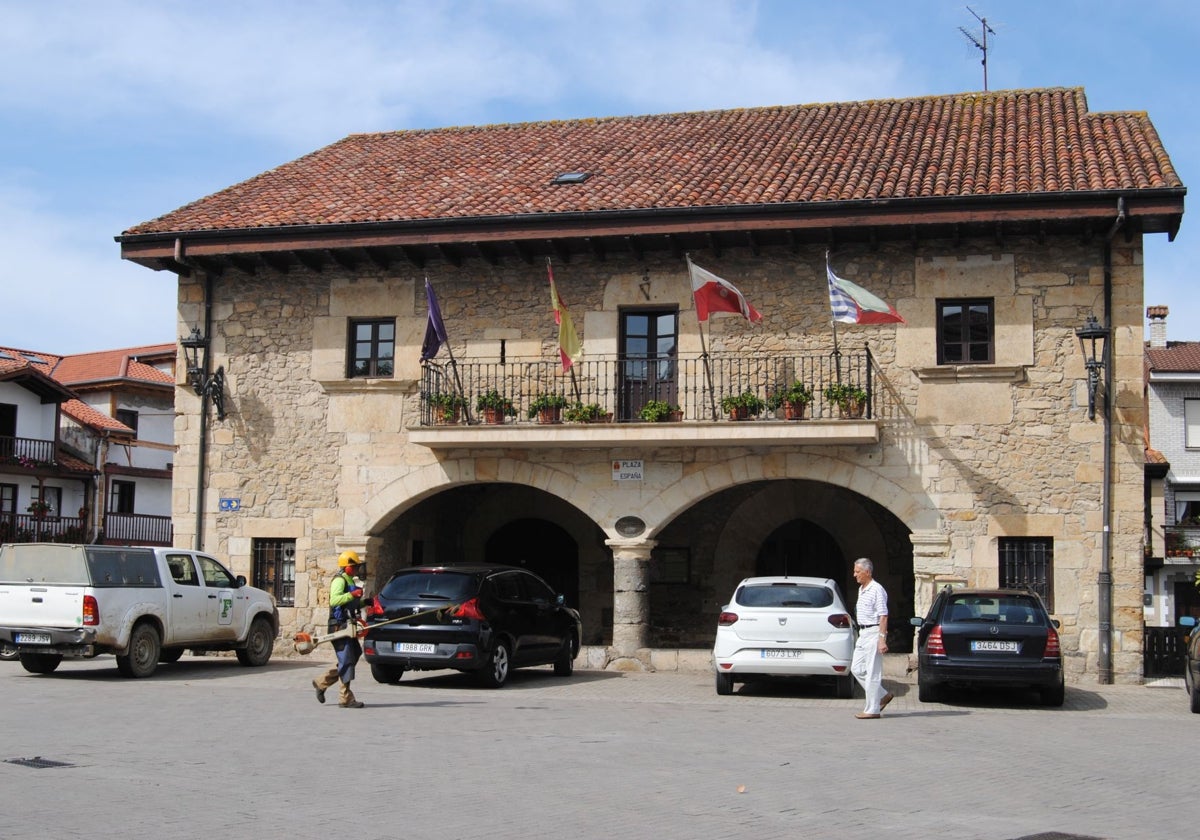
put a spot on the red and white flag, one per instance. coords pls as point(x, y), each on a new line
point(713, 294)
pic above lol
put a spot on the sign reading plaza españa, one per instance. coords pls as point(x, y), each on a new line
point(627, 470)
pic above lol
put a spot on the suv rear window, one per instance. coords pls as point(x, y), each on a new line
point(784, 595)
point(122, 567)
point(420, 585)
point(1006, 609)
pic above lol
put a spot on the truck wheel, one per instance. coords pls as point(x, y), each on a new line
point(260, 642)
point(8, 652)
point(40, 663)
point(142, 659)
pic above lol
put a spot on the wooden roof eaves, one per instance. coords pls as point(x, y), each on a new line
point(1163, 208)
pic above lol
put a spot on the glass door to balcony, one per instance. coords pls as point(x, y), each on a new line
point(648, 371)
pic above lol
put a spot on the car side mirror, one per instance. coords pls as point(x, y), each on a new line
point(240, 581)
point(916, 621)
point(559, 600)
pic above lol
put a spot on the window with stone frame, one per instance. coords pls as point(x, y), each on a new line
point(966, 331)
point(1028, 563)
point(275, 568)
point(372, 348)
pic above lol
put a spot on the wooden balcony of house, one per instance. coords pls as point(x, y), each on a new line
point(668, 401)
point(1182, 543)
point(28, 527)
point(26, 453)
point(137, 529)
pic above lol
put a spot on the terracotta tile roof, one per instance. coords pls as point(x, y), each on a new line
point(112, 365)
point(974, 144)
point(1153, 456)
point(1176, 357)
point(95, 418)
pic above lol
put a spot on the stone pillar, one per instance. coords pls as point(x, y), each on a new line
point(631, 595)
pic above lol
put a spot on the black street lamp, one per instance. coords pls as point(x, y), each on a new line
point(1093, 343)
point(207, 386)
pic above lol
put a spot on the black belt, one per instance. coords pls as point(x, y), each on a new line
point(865, 626)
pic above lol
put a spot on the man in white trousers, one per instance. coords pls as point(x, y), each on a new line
point(872, 614)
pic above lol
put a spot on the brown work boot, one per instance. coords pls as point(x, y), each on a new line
point(320, 692)
point(352, 704)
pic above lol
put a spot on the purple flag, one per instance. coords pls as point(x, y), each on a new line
point(435, 331)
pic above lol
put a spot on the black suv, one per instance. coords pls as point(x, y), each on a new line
point(483, 619)
point(989, 637)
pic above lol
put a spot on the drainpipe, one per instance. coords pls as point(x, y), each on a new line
point(1104, 595)
point(202, 454)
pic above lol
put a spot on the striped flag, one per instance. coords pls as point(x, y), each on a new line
point(852, 304)
point(570, 348)
point(435, 330)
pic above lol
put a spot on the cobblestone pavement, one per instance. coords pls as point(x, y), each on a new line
point(207, 748)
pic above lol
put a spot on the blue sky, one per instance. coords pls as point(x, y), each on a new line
point(115, 112)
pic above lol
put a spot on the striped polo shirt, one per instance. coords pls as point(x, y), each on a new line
point(872, 603)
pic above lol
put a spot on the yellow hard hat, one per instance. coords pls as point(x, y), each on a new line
point(348, 558)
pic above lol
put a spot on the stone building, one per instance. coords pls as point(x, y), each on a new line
point(995, 223)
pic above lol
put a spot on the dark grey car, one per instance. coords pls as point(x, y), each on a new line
point(989, 637)
point(482, 619)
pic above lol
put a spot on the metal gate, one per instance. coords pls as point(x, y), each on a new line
point(1163, 652)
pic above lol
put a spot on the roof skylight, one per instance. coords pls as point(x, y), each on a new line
point(573, 177)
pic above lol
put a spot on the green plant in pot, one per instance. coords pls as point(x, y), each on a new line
point(656, 411)
point(446, 407)
point(851, 400)
point(495, 406)
point(791, 399)
point(547, 407)
point(743, 405)
point(585, 412)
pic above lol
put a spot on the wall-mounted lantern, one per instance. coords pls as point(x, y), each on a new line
point(207, 386)
point(1093, 343)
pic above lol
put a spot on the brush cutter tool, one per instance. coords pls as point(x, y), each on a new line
point(305, 643)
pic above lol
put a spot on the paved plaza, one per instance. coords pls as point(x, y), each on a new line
point(206, 748)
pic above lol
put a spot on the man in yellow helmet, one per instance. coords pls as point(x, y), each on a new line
point(345, 600)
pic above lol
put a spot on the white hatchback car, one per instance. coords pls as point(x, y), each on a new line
point(785, 627)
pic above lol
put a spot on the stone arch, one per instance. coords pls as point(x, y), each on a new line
point(911, 507)
point(395, 498)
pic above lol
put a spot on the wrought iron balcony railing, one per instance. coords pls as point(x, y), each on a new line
point(621, 386)
point(1182, 541)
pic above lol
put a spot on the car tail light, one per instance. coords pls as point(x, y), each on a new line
point(91, 611)
point(368, 647)
point(726, 619)
point(933, 644)
point(840, 620)
point(1053, 650)
point(469, 609)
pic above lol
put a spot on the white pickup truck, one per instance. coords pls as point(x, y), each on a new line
point(145, 605)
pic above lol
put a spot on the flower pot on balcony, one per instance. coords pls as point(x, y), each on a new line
point(794, 410)
point(852, 409)
point(549, 416)
point(447, 417)
point(493, 416)
point(675, 416)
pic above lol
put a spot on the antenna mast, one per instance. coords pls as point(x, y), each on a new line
point(982, 45)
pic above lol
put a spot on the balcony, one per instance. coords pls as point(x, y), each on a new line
point(617, 388)
point(137, 529)
point(1182, 543)
point(27, 453)
point(26, 528)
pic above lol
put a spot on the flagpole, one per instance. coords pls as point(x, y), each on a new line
point(457, 379)
point(837, 354)
point(712, 391)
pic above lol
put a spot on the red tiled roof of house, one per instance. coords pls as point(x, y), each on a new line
point(95, 418)
point(110, 365)
point(1176, 357)
point(973, 144)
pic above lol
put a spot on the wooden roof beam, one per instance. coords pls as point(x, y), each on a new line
point(413, 255)
point(310, 260)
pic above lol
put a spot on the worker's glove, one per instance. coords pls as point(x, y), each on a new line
point(356, 592)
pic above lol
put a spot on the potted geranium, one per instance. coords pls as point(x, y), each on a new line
point(793, 399)
point(495, 407)
point(38, 508)
point(851, 400)
point(656, 411)
point(586, 413)
point(446, 408)
point(547, 408)
point(743, 406)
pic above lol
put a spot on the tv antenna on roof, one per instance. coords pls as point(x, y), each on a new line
point(981, 44)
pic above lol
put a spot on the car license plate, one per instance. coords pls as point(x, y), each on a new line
point(414, 647)
point(775, 653)
point(33, 638)
point(995, 646)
